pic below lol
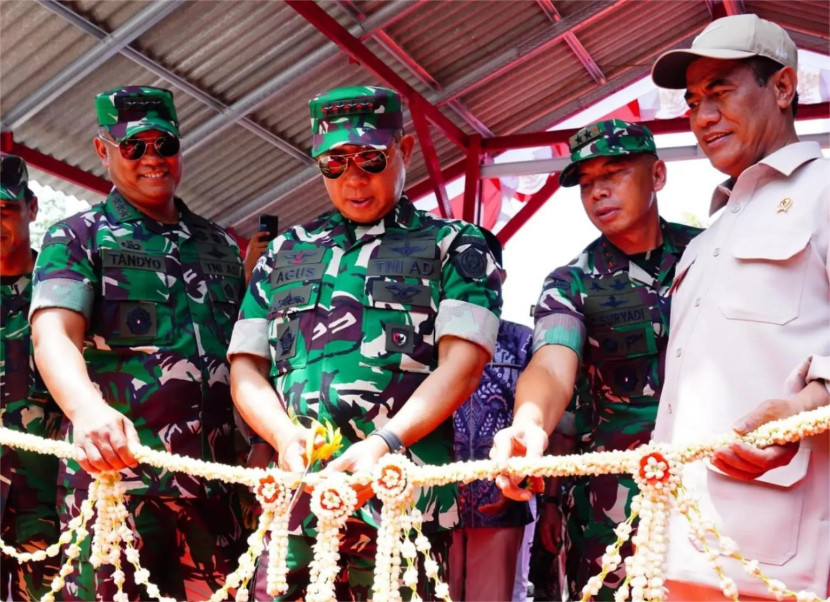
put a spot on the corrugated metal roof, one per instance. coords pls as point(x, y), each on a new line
point(501, 66)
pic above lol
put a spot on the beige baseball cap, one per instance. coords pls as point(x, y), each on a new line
point(731, 38)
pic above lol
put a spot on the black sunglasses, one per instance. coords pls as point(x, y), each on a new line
point(371, 161)
point(133, 149)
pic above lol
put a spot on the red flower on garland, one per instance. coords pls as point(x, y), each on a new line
point(330, 500)
point(654, 468)
point(269, 490)
point(393, 478)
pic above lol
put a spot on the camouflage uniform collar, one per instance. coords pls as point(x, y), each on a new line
point(609, 259)
point(403, 216)
point(121, 210)
point(14, 282)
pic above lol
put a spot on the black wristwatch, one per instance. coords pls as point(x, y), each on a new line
point(393, 442)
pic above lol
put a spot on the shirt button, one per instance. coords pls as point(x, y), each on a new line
point(678, 352)
point(697, 302)
point(735, 208)
point(716, 252)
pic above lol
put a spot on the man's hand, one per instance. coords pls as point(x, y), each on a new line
point(104, 437)
point(292, 448)
point(527, 440)
point(746, 462)
point(360, 458)
point(256, 247)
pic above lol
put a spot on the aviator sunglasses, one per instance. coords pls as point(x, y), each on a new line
point(371, 161)
point(133, 149)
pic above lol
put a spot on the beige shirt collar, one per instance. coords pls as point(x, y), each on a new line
point(785, 161)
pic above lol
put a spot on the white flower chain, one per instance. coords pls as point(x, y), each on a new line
point(655, 468)
point(332, 502)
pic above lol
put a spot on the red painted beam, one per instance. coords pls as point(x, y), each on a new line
point(657, 126)
point(472, 181)
point(502, 143)
point(424, 187)
point(431, 159)
point(819, 110)
point(352, 46)
point(529, 210)
point(55, 167)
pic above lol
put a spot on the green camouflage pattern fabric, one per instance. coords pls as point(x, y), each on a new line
point(350, 315)
point(28, 514)
point(614, 315)
point(361, 115)
point(160, 301)
point(14, 178)
point(609, 138)
point(126, 111)
point(188, 545)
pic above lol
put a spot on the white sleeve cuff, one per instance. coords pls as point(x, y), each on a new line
point(467, 321)
point(815, 367)
point(250, 336)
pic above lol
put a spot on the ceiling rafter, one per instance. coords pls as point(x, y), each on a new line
point(268, 90)
point(89, 61)
point(734, 7)
point(583, 16)
point(355, 49)
point(618, 80)
point(271, 198)
point(414, 67)
point(573, 43)
point(724, 8)
point(159, 70)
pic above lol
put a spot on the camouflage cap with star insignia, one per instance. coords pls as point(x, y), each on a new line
point(609, 138)
point(360, 115)
point(14, 178)
point(128, 110)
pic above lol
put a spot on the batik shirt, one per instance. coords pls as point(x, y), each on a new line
point(350, 317)
point(159, 301)
point(25, 407)
point(615, 316)
point(489, 410)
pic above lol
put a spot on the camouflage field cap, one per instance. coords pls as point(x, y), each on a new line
point(14, 178)
point(609, 138)
point(362, 115)
point(127, 111)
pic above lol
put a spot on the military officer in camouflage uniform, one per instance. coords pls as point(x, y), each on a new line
point(375, 317)
point(604, 316)
point(133, 307)
point(28, 518)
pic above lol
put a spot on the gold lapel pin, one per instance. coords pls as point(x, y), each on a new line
point(784, 205)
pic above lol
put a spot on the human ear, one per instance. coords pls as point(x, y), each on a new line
point(785, 84)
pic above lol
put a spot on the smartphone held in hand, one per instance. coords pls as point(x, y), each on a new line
point(270, 224)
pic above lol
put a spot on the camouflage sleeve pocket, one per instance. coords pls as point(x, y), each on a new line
point(399, 324)
point(290, 326)
point(134, 308)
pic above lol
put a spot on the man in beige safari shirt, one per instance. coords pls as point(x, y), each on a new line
point(750, 323)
